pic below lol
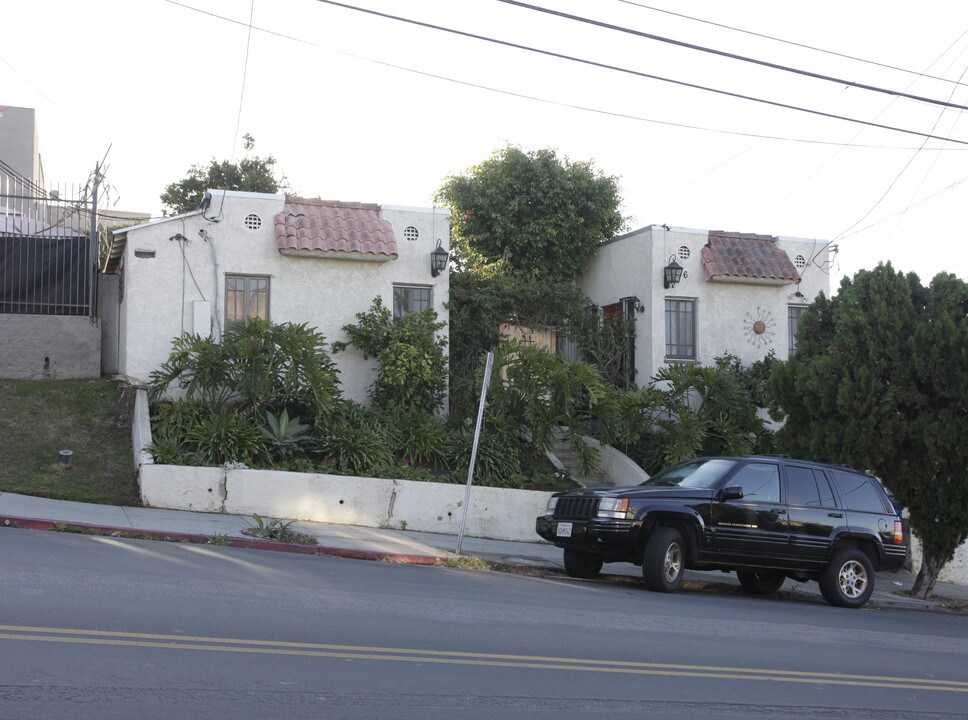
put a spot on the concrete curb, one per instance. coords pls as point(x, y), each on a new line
point(273, 545)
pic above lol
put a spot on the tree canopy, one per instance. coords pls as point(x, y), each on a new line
point(252, 174)
point(879, 380)
point(531, 214)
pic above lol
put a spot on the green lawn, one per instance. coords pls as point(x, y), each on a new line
point(38, 418)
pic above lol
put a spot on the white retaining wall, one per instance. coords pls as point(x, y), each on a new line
point(494, 513)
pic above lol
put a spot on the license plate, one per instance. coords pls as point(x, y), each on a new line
point(563, 530)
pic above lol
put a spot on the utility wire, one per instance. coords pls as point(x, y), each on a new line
point(245, 73)
point(637, 73)
point(731, 56)
point(791, 42)
point(533, 98)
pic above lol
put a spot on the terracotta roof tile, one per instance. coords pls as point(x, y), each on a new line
point(733, 256)
point(330, 226)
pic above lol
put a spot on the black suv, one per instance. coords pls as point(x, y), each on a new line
point(766, 518)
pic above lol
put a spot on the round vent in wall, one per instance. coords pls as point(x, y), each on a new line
point(253, 221)
point(800, 262)
point(683, 252)
point(411, 233)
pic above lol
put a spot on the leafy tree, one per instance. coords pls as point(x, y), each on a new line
point(531, 214)
point(413, 365)
point(252, 174)
point(879, 380)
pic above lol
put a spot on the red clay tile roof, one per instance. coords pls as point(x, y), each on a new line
point(333, 227)
point(756, 258)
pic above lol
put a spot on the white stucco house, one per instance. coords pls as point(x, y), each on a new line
point(286, 259)
point(738, 293)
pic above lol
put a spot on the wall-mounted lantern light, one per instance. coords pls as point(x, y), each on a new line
point(671, 273)
point(438, 260)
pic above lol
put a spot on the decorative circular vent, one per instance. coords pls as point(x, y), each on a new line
point(800, 262)
point(683, 252)
point(253, 221)
point(411, 233)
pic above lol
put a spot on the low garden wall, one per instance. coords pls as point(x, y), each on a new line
point(494, 513)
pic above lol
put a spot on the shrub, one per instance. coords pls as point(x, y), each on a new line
point(257, 367)
point(416, 436)
point(413, 366)
point(498, 457)
point(355, 442)
point(225, 437)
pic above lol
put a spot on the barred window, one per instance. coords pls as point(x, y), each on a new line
point(680, 329)
point(793, 319)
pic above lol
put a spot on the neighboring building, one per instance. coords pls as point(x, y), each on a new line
point(19, 147)
point(738, 293)
point(285, 259)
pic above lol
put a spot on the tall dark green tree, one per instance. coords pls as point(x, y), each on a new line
point(251, 173)
point(879, 380)
point(531, 214)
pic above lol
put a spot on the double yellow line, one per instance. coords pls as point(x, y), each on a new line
point(355, 652)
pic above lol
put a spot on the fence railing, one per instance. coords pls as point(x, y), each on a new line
point(48, 262)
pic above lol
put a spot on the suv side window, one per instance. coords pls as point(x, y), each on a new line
point(808, 487)
point(760, 482)
point(858, 492)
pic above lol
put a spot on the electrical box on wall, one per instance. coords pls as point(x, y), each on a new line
point(202, 318)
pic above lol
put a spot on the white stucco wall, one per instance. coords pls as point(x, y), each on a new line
point(494, 513)
point(162, 294)
point(632, 265)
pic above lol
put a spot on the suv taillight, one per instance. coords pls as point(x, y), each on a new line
point(898, 533)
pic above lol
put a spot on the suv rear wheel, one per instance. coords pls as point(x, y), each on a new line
point(664, 560)
point(580, 564)
point(760, 582)
point(848, 580)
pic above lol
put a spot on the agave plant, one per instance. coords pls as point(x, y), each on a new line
point(285, 435)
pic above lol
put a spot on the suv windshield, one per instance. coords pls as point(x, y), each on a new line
point(695, 473)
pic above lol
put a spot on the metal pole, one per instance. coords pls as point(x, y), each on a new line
point(93, 251)
point(477, 437)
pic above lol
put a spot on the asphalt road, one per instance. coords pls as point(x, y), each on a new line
point(96, 627)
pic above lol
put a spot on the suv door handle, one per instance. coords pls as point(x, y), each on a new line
point(779, 511)
point(835, 515)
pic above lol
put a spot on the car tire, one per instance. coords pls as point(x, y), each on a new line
point(848, 580)
point(760, 582)
point(581, 564)
point(664, 560)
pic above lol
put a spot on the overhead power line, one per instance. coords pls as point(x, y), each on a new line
point(792, 43)
point(733, 56)
point(605, 66)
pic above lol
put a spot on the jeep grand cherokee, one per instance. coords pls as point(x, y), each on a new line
point(764, 518)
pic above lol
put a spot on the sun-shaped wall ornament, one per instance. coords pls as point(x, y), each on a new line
point(758, 327)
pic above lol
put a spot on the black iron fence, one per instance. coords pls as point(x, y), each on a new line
point(48, 262)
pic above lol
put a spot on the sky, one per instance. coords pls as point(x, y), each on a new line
point(362, 107)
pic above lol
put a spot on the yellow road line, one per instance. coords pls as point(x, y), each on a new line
point(266, 647)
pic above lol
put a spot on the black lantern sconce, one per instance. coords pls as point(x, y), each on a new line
point(671, 273)
point(438, 260)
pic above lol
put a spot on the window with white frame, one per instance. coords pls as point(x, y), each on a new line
point(246, 296)
point(793, 321)
point(680, 329)
point(410, 298)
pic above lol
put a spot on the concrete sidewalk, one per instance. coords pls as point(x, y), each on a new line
point(352, 541)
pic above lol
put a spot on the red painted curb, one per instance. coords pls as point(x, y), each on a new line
point(253, 544)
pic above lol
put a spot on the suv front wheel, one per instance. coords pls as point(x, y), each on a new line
point(664, 560)
point(848, 580)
